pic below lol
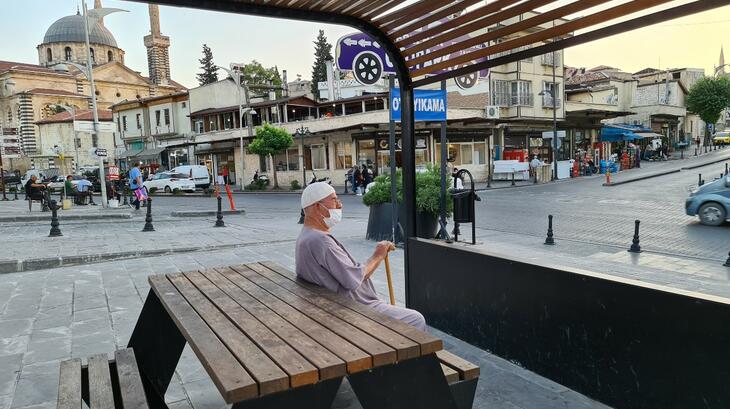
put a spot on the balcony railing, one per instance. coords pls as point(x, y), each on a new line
point(501, 99)
point(547, 102)
point(547, 59)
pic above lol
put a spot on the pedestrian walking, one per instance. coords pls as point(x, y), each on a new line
point(357, 176)
point(135, 184)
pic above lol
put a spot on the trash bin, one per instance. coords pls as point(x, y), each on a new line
point(463, 205)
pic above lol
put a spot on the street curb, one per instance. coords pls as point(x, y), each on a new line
point(649, 176)
point(47, 217)
point(706, 163)
point(203, 213)
point(19, 266)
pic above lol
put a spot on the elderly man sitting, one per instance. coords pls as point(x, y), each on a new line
point(322, 260)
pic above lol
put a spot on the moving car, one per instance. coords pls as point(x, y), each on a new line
point(721, 138)
point(711, 202)
point(198, 173)
point(169, 181)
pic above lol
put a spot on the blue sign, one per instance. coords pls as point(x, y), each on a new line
point(428, 105)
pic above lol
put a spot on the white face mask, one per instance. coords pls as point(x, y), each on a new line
point(335, 217)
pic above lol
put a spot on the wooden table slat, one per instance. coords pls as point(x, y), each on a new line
point(101, 395)
point(130, 381)
point(382, 353)
point(405, 348)
point(327, 363)
point(300, 371)
point(466, 369)
point(355, 358)
point(428, 343)
point(69, 385)
point(263, 369)
point(229, 376)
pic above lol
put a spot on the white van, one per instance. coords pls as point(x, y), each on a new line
point(199, 173)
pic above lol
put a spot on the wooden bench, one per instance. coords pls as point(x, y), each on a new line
point(268, 340)
point(102, 383)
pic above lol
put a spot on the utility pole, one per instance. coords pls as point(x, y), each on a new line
point(2, 169)
point(90, 75)
point(555, 122)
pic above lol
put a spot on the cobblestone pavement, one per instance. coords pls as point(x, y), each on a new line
point(51, 315)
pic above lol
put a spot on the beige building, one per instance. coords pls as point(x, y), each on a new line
point(29, 92)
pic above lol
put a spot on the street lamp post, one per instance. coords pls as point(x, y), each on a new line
point(237, 76)
point(301, 133)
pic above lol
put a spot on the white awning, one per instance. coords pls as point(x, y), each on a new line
point(648, 135)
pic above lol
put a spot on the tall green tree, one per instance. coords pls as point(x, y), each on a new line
point(708, 98)
point(322, 53)
point(209, 73)
point(269, 141)
point(256, 74)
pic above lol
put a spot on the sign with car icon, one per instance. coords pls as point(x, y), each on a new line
point(369, 62)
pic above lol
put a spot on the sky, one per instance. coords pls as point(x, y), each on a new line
point(693, 41)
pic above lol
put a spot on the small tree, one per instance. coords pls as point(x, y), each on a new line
point(256, 74)
point(269, 141)
point(707, 98)
point(209, 72)
point(322, 53)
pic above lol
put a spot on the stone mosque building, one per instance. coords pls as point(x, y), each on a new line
point(28, 92)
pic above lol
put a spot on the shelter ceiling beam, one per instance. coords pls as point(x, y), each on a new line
point(517, 27)
point(618, 28)
point(424, 22)
point(543, 35)
point(419, 8)
point(498, 7)
point(384, 6)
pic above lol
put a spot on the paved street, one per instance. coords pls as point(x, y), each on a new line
point(50, 314)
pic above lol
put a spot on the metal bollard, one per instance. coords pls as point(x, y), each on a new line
point(219, 215)
point(726, 169)
point(55, 231)
point(16, 191)
point(700, 183)
point(125, 192)
point(513, 178)
point(727, 263)
point(301, 217)
point(550, 240)
point(148, 219)
point(635, 247)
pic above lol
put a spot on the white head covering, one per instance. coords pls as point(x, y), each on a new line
point(316, 192)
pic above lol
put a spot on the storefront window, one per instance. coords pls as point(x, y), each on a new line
point(287, 160)
point(464, 153)
point(343, 160)
point(319, 157)
point(366, 152)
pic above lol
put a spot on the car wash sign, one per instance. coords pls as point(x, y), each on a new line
point(428, 105)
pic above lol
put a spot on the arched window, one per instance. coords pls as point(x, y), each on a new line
point(110, 56)
point(93, 56)
point(67, 52)
point(49, 55)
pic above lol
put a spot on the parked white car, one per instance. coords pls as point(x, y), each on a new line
point(198, 173)
point(168, 182)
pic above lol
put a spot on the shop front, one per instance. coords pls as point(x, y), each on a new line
point(373, 150)
point(219, 158)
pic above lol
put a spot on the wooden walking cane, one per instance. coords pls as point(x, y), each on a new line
point(390, 279)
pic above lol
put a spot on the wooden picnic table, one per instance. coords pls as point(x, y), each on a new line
point(269, 340)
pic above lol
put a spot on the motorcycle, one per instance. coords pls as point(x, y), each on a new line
point(260, 177)
point(324, 179)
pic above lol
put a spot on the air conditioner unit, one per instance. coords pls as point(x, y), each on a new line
point(492, 112)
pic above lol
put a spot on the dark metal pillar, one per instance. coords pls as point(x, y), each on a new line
point(408, 154)
point(393, 181)
point(443, 234)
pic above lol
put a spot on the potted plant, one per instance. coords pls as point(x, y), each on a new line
point(428, 193)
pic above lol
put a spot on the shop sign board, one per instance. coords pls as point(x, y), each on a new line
point(113, 173)
point(428, 105)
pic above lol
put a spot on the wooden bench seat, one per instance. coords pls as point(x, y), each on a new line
point(462, 377)
point(102, 383)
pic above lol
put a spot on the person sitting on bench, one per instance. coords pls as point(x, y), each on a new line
point(35, 191)
point(85, 190)
point(70, 189)
point(324, 261)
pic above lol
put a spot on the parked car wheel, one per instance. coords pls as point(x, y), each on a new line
point(712, 214)
point(167, 189)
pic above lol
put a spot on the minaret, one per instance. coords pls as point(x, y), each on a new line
point(97, 5)
point(721, 67)
point(158, 57)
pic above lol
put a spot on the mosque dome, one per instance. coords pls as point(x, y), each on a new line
point(70, 29)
